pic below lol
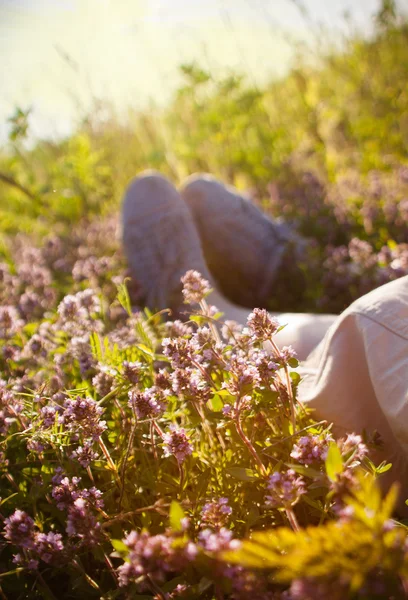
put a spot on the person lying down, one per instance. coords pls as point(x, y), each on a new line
point(354, 366)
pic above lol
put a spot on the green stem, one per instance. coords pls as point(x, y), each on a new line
point(289, 386)
point(112, 393)
point(249, 445)
point(110, 462)
point(155, 588)
point(204, 307)
point(292, 519)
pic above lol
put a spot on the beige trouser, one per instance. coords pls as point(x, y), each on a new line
point(357, 378)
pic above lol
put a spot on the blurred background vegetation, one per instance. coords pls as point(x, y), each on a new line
point(323, 146)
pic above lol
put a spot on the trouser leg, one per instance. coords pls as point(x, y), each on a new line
point(160, 240)
point(252, 258)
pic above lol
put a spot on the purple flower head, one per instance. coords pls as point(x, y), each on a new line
point(262, 325)
point(284, 489)
point(82, 416)
point(89, 300)
point(104, 380)
point(177, 444)
point(162, 380)
point(132, 371)
point(265, 365)
point(286, 353)
point(195, 287)
point(231, 330)
point(217, 541)
point(19, 529)
point(311, 449)
point(66, 491)
point(5, 421)
point(35, 346)
point(91, 268)
point(227, 410)
point(76, 313)
point(82, 523)
point(48, 414)
point(353, 444)
point(216, 513)
point(31, 305)
point(49, 546)
point(34, 275)
point(22, 560)
point(10, 322)
point(310, 589)
point(94, 496)
point(245, 376)
point(179, 351)
point(80, 349)
point(177, 329)
point(35, 445)
point(70, 309)
point(58, 476)
point(11, 352)
point(153, 556)
point(85, 455)
point(6, 396)
point(201, 338)
point(147, 404)
point(191, 384)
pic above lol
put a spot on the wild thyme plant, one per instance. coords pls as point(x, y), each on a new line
point(151, 459)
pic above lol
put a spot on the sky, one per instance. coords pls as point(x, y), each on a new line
point(59, 56)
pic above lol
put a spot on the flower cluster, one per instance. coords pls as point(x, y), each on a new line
point(284, 489)
point(153, 556)
point(21, 531)
point(311, 449)
point(352, 446)
point(215, 514)
point(176, 443)
point(147, 404)
point(262, 325)
point(10, 322)
point(195, 287)
point(81, 415)
point(82, 523)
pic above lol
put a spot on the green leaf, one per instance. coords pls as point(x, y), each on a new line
point(119, 546)
point(124, 298)
point(252, 516)
point(334, 462)
point(306, 471)
point(4, 500)
point(242, 473)
point(384, 467)
point(177, 514)
point(143, 333)
point(215, 403)
point(199, 319)
point(96, 346)
point(30, 328)
point(293, 362)
point(295, 377)
point(224, 393)
point(145, 350)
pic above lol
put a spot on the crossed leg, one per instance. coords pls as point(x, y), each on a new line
point(211, 228)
